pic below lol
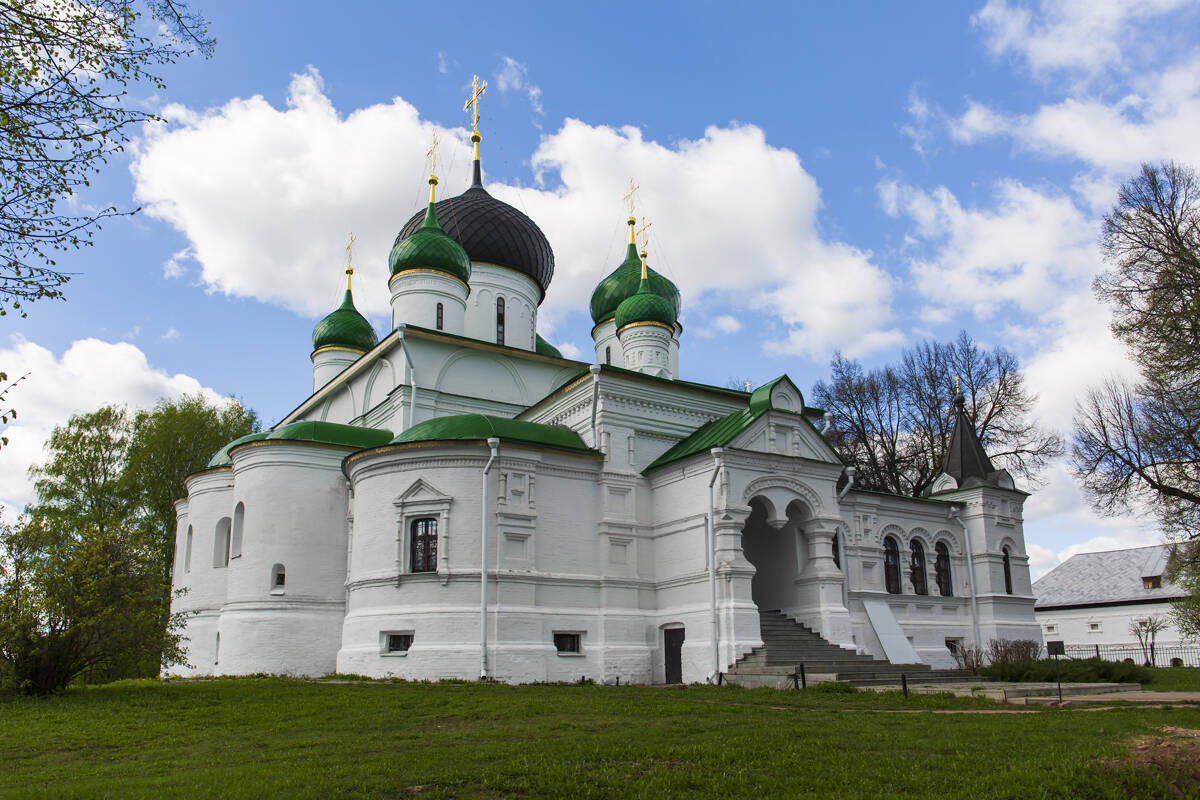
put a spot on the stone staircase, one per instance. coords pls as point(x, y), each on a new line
point(788, 644)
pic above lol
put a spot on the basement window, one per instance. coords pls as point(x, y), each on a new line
point(568, 644)
point(396, 643)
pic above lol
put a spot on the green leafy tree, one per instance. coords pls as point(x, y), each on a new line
point(81, 589)
point(66, 69)
point(168, 443)
point(894, 422)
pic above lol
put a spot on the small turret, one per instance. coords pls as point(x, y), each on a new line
point(966, 463)
point(645, 325)
point(341, 337)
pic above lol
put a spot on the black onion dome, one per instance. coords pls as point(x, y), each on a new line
point(492, 231)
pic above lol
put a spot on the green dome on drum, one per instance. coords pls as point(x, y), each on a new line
point(623, 282)
point(430, 248)
point(345, 327)
point(646, 307)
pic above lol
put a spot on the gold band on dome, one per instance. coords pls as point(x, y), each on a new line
point(342, 348)
point(662, 325)
point(433, 271)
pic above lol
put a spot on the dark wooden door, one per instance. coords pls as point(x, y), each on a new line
point(673, 646)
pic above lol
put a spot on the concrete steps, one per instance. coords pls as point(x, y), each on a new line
point(787, 644)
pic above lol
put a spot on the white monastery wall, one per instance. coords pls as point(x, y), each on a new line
point(1105, 625)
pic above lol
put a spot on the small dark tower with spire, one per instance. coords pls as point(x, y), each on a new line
point(967, 463)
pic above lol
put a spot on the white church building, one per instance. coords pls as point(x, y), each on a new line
point(457, 500)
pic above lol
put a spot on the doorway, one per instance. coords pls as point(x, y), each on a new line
point(673, 648)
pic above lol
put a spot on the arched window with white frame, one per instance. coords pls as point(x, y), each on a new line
point(239, 524)
point(891, 565)
point(941, 570)
point(1008, 584)
point(221, 543)
point(499, 320)
point(916, 567)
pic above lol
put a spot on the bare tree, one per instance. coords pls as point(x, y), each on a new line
point(66, 67)
point(1137, 445)
point(894, 422)
point(1146, 630)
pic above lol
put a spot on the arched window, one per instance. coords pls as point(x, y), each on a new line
point(440, 318)
point(423, 545)
point(499, 320)
point(187, 551)
point(239, 522)
point(837, 552)
point(278, 579)
point(608, 355)
point(891, 565)
point(221, 544)
point(916, 567)
point(1007, 571)
point(941, 570)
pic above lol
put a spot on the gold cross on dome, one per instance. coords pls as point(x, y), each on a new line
point(431, 153)
point(350, 255)
point(643, 233)
point(478, 87)
point(628, 196)
point(956, 389)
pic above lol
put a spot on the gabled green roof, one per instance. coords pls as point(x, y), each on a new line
point(221, 457)
point(331, 433)
point(481, 427)
point(720, 432)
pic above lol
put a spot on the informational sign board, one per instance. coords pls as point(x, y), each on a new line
point(1055, 649)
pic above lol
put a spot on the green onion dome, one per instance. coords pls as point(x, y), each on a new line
point(345, 327)
point(623, 282)
point(645, 307)
point(428, 247)
point(544, 348)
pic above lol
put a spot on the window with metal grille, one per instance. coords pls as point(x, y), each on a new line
point(891, 565)
point(916, 567)
point(837, 552)
point(941, 570)
point(440, 318)
point(399, 642)
point(569, 643)
point(424, 545)
point(499, 320)
point(608, 355)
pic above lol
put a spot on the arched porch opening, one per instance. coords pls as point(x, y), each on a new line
point(778, 549)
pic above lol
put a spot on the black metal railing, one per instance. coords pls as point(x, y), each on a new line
point(1173, 655)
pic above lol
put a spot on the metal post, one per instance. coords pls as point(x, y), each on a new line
point(803, 678)
point(1058, 677)
point(904, 684)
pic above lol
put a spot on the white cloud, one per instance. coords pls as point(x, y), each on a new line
point(727, 324)
point(441, 63)
point(174, 267)
point(570, 350)
point(170, 335)
point(1085, 37)
point(265, 197)
point(90, 374)
point(514, 77)
point(976, 123)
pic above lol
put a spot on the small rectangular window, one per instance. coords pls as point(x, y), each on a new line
point(1051, 629)
point(1094, 627)
point(399, 642)
point(568, 643)
point(1152, 582)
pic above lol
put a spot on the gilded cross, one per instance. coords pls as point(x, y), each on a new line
point(431, 153)
point(628, 196)
point(478, 87)
point(643, 234)
point(350, 255)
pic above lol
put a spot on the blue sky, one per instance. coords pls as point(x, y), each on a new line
point(820, 176)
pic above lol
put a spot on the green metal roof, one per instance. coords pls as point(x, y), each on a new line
point(345, 327)
point(221, 457)
point(331, 433)
point(481, 427)
point(720, 432)
point(544, 348)
point(430, 248)
point(623, 283)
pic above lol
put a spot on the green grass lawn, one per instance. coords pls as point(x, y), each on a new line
point(258, 738)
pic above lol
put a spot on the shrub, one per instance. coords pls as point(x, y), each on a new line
point(1004, 651)
point(1073, 670)
point(832, 687)
point(969, 658)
